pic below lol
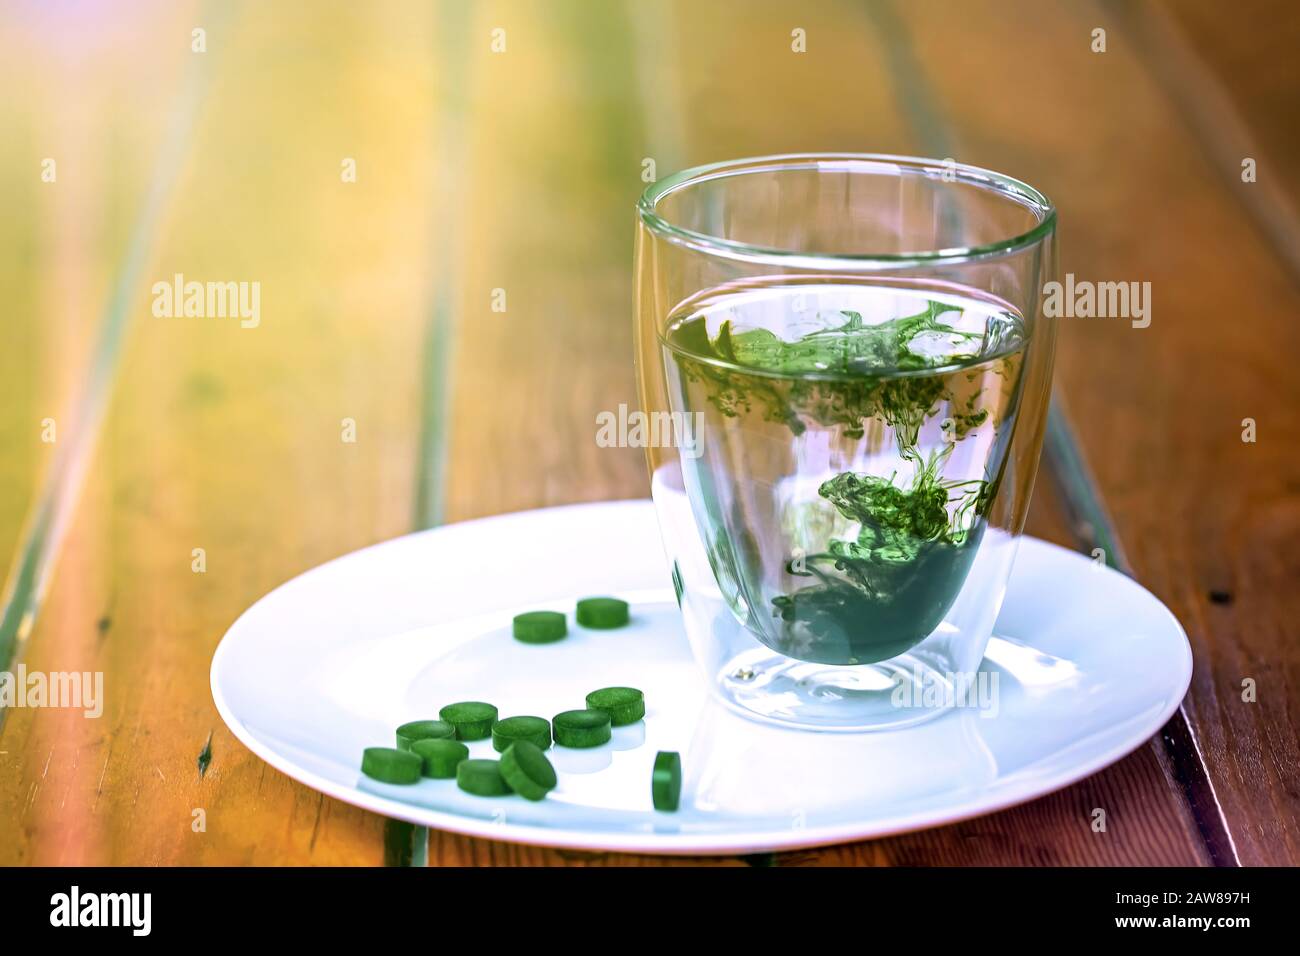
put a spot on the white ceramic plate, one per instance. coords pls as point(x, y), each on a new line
point(1089, 666)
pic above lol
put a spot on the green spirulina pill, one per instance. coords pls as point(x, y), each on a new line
point(440, 757)
point(535, 730)
point(666, 780)
point(625, 705)
point(527, 771)
point(390, 765)
point(581, 728)
point(539, 627)
point(602, 612)
point(472, 719)
point(481, 778)
point(408, 734)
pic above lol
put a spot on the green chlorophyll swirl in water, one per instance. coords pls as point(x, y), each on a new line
point(853, 440)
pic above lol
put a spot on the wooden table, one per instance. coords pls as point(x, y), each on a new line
point(517, 170)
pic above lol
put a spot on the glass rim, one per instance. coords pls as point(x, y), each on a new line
point(1013, 189)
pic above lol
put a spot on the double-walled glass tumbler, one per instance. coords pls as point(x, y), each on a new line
point(848, 361)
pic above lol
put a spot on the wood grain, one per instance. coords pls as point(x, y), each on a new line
point(480, 172)
point(512, 369)
point(81, 126)
point(230, 440)
point(1253, 64)
point(1208, 520)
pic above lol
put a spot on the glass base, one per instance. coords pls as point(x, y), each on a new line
point(764, 685)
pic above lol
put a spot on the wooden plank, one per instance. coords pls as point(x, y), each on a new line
point(1248, 52)
point(1236, 111)
point(230, 439)
point(555, 172)
point(1207, 518)
point(555, 176)
point(556, 131)
point(876, 113)
point(66, 147)
point(518, 374)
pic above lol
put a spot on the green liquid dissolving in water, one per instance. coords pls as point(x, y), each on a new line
point(853, 441)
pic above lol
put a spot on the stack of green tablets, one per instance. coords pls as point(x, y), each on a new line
point(434, 748)
point(430, 748)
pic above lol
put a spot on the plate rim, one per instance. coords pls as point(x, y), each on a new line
point(679, 844)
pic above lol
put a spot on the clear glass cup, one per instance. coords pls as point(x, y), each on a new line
point(844, 369)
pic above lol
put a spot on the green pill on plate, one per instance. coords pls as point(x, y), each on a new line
point(625, 705)
point(539, 627)
point(408, 734)
point(602, 613)
point(666, 780)
point(390, 765)
point(472, 719)
point(536, 730)
point(440, 756)
point(581, 728)
point(481, 778)
point(527, 771)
